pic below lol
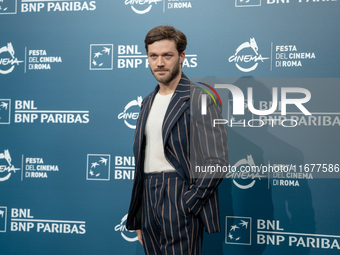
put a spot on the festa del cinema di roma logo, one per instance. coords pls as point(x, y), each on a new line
point(243, 62)
point(9, 167)
point(126, 234)
point(144, 6)
point(244, 175)
point(141, 3)
point(127, 115)
point(7, 59)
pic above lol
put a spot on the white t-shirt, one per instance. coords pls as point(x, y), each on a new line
point(155, 160)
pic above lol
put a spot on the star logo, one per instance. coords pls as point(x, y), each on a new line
point(98, 167)
point(5, 111)
point(101, 57)
point(238, 230)
point(94, 165)
point(8, 7)
point(247, 3)
point(3, 217)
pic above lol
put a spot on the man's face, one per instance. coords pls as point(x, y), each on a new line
point(164, 60)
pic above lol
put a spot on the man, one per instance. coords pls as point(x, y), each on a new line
point(170, 205)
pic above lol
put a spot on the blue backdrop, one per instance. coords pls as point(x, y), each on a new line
point(72, 77)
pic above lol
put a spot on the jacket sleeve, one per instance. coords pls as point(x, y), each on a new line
point(208, 152)
point(133, 221)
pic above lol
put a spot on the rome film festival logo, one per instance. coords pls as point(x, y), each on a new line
point(101, 56)
point(7, 58)
point(5, 111)
point(238, 230)
point(98, 167)
point(247, 58)
point(244, 174)
point(141, 3)
point(126, 234)
point(127, 115)
point(6, 158)
point(8, 7)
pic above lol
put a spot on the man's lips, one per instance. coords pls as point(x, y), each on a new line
point(161, 70)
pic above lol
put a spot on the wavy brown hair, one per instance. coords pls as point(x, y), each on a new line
point(166, 33)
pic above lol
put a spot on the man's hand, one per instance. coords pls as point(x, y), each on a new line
point(139, 234)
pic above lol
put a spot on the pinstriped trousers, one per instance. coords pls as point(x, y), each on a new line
point(167, 225)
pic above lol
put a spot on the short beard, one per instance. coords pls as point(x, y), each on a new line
point(173, 74)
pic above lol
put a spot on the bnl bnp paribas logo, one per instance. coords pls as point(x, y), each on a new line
point(238, 230)
point(8, 60)
point(3, 218)
point(8, 7)
point(256, 3)
point(5, 111)
point(247, 3)
point(247, 56)
point(101, 56)
point(36, 6)
point(98, 167)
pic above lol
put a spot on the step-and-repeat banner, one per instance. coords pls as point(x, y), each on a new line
point(73, 74)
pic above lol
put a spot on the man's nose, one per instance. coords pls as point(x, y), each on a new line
point(160, 61)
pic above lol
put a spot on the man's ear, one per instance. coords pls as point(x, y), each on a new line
point(181, 57)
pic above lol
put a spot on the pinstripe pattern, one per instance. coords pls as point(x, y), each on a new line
point(201, 197)
point(167, 225)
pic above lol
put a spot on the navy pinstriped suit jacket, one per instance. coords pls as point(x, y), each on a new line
point(202, 196)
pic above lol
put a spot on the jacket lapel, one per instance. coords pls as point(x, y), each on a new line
point(178, 104)
point(144, 116)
